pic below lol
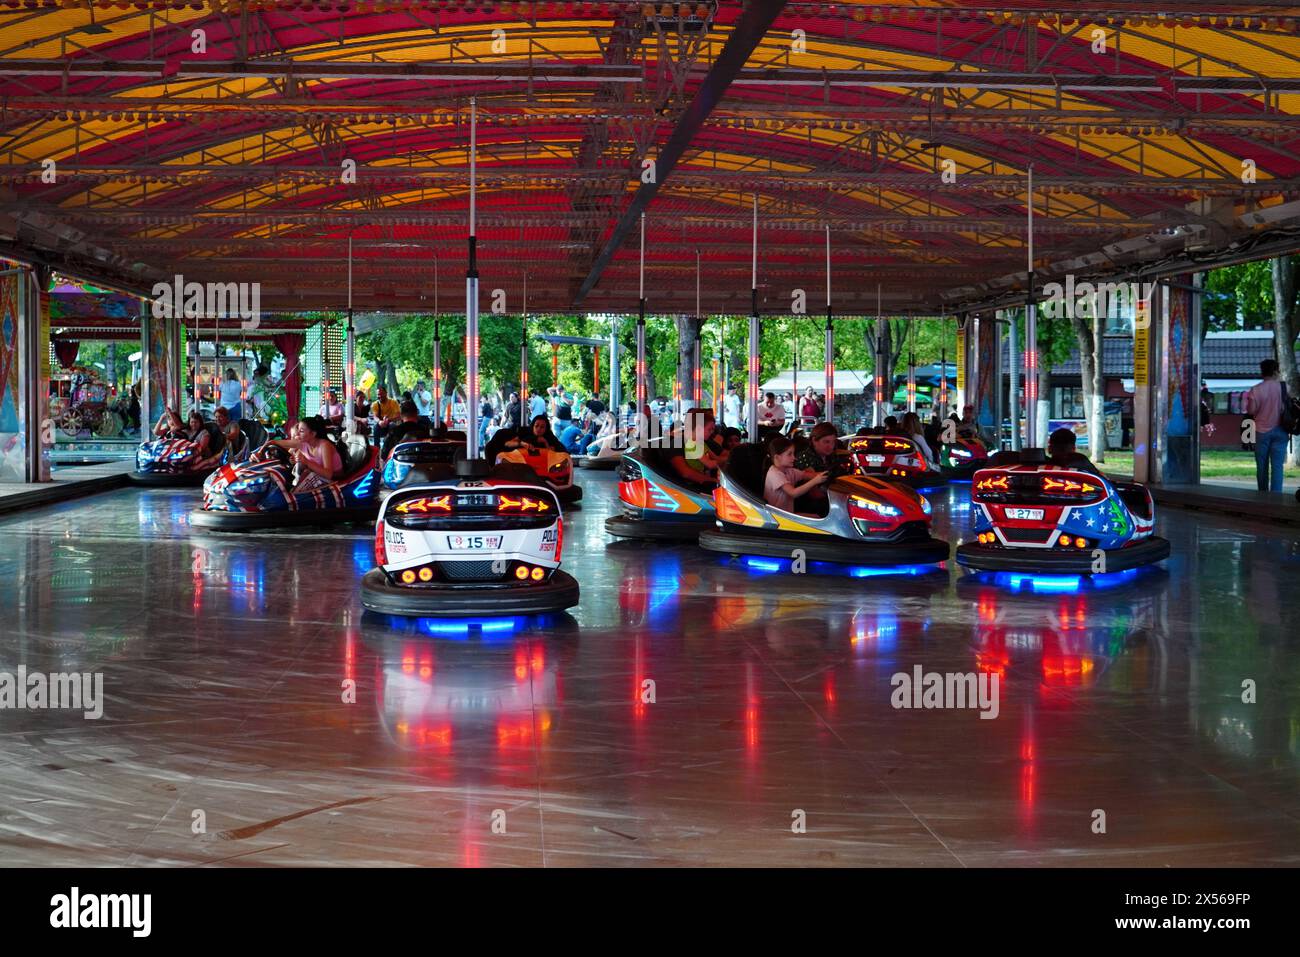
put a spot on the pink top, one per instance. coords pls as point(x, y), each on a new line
point(774, 487)
point(310, 454)
point(1264, 402)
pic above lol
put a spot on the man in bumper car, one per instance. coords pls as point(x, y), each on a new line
point(411, 427)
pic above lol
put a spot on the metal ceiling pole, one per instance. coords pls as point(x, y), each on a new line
point(794, 361)
point(1031, 334)
point(878, 372)
point(644, 425)
point(437, 349)
point(698, 381)
point(437, 369)
point(828, 413)
point(911, 366)
point(350, 360)
point(471, 296)
point(216, 360)
point(751, 387)
point(523, 358)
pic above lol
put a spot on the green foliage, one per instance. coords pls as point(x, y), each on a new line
point(409, 346)
point(1241, 297)
point(92, 355)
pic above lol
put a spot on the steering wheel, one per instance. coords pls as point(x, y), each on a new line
point(269, 452)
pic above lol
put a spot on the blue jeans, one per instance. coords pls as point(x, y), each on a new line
point(1270, 449)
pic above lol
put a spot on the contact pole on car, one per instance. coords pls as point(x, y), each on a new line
point(523, 358)
point(828, 414)
point(751, 387)
point(697, 391)
point(1031, 331)
point(643, 425)
point(350, 361)
point(471, 297)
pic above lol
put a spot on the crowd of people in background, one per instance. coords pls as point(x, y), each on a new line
point(577, 424)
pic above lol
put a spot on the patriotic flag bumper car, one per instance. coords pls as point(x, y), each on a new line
point(1044, 518)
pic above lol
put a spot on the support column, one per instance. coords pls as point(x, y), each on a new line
point(1145, 392)
point(828, 413)
point(615, 382)
point(882, 375)
point(989, 377)
point(1033, 400)
point(1179, 425)
point(688, 338)
point(36, 354)
point(1013, 377)
point(523, 373)
point(960, 359)
point(161, 366)
point(697, 381)
point(19, 441)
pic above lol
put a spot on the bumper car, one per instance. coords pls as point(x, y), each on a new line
point(963, 458)
point(430, 460)
point(608, 452)
point(868, 521)
point(260, 494)
point(895, 458)
point(553, 469)
point(470, 545)
point(1041, 518)
point(657, 505)
point(173, 463)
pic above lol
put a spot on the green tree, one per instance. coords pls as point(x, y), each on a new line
point(1238, 297)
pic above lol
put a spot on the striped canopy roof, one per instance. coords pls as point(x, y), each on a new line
point(216, 141)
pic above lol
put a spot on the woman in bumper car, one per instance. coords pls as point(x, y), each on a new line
point(912, 429)
point(316, 459)
point(195, 429)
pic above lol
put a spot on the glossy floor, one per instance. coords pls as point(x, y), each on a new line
point(226, 736)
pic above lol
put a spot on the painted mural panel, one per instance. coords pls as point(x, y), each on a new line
point(156, 347)
point(12, 445)
point(1183, 392)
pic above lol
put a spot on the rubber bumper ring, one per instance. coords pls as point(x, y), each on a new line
point(993, 558)
point(620, 526)
point(557, 593)
point(570, 495)
point(223, 521)
point(915, 482)
point(826, 548)
point(167, 479)
point(598, 465)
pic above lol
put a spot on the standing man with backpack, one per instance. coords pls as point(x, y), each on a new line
point(1268, 404)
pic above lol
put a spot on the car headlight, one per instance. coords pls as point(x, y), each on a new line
point(880, 508)
point(926, 507)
